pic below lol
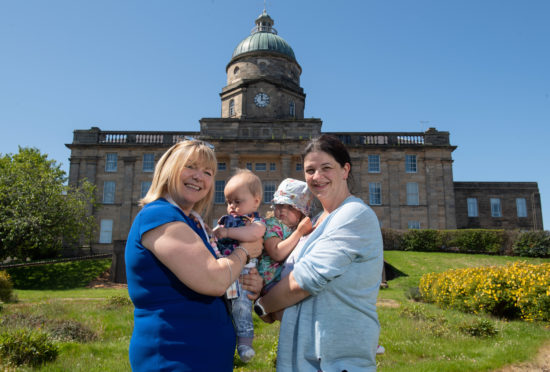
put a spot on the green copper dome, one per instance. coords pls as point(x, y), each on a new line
point(264, 38)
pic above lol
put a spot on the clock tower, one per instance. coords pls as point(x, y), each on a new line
point(263, 77)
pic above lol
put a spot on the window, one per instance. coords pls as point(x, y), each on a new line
point(374, 163)
point(374, 193)
point(410, 163)
point(521, 207)
point(472, 207)
point(261, 167)
point(145, 185)
point(495, 207)
point(269, 190)
point(219, 197)
point(412, 193)
point(299, 167)
point(413, 224)
point(249, 166)
point(148, 162)
point(109, 192)
point(231, 107)
point(222, 167)
point(106, 232)
point(272, 167)
point(292, 108)
point(110, 163)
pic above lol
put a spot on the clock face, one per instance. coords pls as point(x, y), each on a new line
point(261, 99)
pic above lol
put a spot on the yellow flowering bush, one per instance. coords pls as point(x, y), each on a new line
point(515, 290)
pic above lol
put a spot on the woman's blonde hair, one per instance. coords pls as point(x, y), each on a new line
point(171, 164)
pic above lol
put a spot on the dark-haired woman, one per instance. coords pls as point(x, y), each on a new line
point(330, 321)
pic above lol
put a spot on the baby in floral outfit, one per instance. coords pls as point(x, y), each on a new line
point(292, 203)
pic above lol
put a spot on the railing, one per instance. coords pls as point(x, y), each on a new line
point(94, 136)
point(113, 138)
point(431, 137)
point(384, 139)
point(263, 29)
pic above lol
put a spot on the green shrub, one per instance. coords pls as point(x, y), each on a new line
point(477, 240)
point(417, 312)
point(413, 293)
point(61, 275)
point(532, 244)
point(393, 239)
point(22, 320)
point(6, 287)
point(27, 347)
point(426, 322)
point(478, 328)
point(426, 240)
point(64, 330)
point(115, 302)
point(70, 330)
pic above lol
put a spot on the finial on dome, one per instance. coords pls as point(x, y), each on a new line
point(264, 23)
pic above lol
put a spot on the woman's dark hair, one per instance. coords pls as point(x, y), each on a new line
point(335, 148)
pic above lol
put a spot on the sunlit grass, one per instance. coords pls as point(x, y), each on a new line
point(431, 341)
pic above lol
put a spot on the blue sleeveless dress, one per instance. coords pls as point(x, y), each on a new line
point(175, 328)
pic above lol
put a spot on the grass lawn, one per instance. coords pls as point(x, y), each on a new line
point(417, 337)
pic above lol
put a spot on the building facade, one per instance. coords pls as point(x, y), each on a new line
point(406, 177)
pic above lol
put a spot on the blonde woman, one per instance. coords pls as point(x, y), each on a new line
point(174, 278)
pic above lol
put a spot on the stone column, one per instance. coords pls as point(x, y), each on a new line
point(434, 193)
point(395, 167)
point(74, 170)
point(91, 168)
point(449, 194)
point(358, 166)
point(285, 166)
point(233, 162)
point(126, 196)
point(244, 103)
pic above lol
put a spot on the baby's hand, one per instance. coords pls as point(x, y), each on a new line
point(305, 227)
point(219, 232)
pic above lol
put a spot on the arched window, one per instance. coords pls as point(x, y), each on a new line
point(231, 107)
point(292, 108)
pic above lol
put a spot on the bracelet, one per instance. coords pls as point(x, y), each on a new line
point(245, 251)
point(230, 271)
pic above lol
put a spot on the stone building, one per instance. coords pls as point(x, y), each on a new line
point(498, 205)
point(406, 177)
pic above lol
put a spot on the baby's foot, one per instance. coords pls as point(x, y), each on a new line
point(245, 353)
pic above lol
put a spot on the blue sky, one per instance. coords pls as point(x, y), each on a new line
point(479, 69)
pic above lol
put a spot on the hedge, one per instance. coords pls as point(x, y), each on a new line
point(501, 242)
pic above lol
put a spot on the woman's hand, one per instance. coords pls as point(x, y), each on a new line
point(219, 232)
point(253, 283)
point(305, 227)
point(254, 249)
point(268, 318)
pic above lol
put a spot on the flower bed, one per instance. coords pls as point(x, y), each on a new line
point(518, 290)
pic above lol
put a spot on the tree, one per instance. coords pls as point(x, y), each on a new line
point(39, 213)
